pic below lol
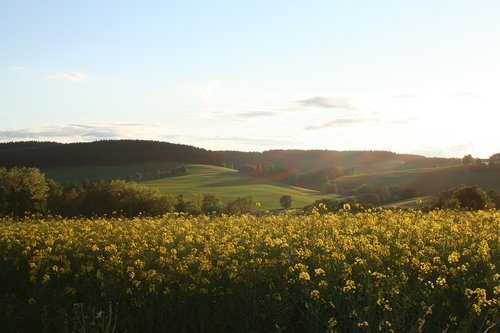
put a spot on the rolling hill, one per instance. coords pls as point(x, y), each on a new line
point(276, 172)
point(428, 181)
point(123, 152)
point(227, 184)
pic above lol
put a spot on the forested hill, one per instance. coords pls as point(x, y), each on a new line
point(118, 152)
point(51, 154)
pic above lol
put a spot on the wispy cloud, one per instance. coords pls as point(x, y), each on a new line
point(257, 114)
point(205, 92)
point(342, 122)
point(327, 103)
point(458, 150)
point(246, 140)
point(207, 113)
point(405, 96)
point(402, 121)
point(19, 69)
point(317, 102)
point(464, 94)
point(68, 76)
point(83, 132)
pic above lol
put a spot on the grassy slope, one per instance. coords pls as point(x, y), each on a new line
point(228, 184)
point(224, 183)
point(429, 181)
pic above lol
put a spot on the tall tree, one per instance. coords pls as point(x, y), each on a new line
point(471, 197)
point(467, 160)
point(23, 190)
point(286, 201)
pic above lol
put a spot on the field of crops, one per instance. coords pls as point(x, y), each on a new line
point(376, 271)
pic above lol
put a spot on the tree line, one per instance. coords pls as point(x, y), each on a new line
point(27, 190)
point(115, 152)
point(477, 164)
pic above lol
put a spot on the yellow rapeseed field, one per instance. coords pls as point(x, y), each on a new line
point(376, 271)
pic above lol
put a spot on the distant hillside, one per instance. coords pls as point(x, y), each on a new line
point(427, 181)
point(326, 171)
point(228, 184)
point(51, 154)
point(120, 152)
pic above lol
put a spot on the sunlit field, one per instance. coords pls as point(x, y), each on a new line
point(376, 271)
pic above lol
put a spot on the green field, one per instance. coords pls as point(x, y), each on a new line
point(229, 184)
point(428, 181)
point(226, 184)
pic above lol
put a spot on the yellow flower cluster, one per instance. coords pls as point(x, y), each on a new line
point(332, 272)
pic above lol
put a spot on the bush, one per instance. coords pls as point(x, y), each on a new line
point(467, 197)
point(240, 206)
point(286, 201)
point(471, 197)
point(212, 205)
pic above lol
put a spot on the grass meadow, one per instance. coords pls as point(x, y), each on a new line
point(227, 184)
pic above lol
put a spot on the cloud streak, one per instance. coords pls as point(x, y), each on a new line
point(450, 151)
point(402, 121)
point(405, 96)
point(257, 114)
point(317, 102)
point(465, 94)
point(342, 122)
point(113, 131)
point(82, 132)
point(326, 103)
point(68, 76)
point(247, 140)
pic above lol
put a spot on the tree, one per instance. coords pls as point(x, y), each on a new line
point(247, 169)
point(240, 206)
point(286, 201)
point(468, 197)
point(4, 191)
point(467, 160)
point(212, 205)
point(478, 162)
point(494, 199)
point(194, 207)
point(55, 195)
point(168, 202)
point(22, 190)
point(471, 197)
point(494, 161)
point(181, 205)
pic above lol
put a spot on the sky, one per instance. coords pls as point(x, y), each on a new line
point(419, 77)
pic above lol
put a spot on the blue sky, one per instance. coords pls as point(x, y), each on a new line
point(406, 76)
